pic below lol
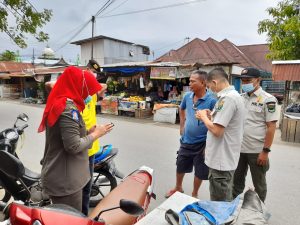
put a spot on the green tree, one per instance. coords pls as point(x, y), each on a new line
point(19, 18)
point(283, 30)
point(8, 56)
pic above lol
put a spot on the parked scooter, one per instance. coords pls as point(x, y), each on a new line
point(105, 171)
point(105, 174)
point(8, 142)
point(137, 188)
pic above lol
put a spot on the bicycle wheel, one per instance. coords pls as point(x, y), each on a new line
point(103, 183)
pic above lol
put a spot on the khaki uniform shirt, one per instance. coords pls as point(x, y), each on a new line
point(66, 164)
point(222, 153)
point(261, 107)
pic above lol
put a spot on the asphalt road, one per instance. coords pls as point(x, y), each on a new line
point(144, 142)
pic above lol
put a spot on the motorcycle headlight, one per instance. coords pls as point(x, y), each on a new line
point(36, 222)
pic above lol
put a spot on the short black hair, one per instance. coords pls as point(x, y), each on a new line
point(217, 74)
point(201, 74)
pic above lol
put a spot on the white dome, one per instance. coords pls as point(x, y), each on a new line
point(48, 52)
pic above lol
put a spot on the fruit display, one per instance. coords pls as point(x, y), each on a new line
point(136, 98)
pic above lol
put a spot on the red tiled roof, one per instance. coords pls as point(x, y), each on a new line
point(212, 52)
point(10, 67)
point(257, 53)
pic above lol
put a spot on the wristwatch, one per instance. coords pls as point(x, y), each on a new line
point(266, 149)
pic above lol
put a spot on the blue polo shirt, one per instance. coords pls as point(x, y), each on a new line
point(194, 131)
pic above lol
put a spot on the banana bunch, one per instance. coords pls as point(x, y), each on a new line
point(135, 98)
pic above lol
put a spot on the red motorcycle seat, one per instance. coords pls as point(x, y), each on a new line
point(133, 188)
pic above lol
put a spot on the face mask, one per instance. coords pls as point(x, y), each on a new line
point(88, 99)
point(248, 87)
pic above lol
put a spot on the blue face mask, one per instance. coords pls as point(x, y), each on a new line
point(88, 99)
point(248, 87)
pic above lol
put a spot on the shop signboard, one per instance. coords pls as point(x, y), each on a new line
point(165, 73)
point(184, 72)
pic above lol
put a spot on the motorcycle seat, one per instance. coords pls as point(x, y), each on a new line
point(30, 177)
point(133, 188)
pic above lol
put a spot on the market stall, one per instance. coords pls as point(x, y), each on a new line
point(174, 81)
point(127, 85)
point(289, 71)
point(139, 86)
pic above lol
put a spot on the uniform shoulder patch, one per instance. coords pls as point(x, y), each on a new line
point(220, 105)
point(75, 114)
point(271, 106)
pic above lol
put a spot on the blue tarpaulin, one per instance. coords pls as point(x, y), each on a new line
point(126, 70)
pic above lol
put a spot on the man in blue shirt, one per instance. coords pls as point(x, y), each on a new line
point(193, 133)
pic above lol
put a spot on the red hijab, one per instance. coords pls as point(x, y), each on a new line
point(75, 84)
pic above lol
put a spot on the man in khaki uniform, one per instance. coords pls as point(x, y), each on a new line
point(224, 136)
point(259, 130)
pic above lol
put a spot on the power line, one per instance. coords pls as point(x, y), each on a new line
point(118, 6)
point(102, 9)
point(69, 32)
point(67, 42)
point(152, 9)
point(105, 6)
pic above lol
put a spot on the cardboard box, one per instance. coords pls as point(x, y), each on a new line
point(143, 113)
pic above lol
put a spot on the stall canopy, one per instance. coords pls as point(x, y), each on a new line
point(286, 70)
point(125, 70)
point(158, 70)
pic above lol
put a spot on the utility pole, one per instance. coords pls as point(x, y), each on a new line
point(93, 24)
point(33, 57)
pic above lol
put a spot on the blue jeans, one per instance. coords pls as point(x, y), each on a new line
point(87, 188)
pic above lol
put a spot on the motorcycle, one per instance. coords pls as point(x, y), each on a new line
point(137, 187)
point(104, 179)
point(105, 174)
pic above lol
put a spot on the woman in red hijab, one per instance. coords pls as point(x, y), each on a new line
point(65, 168)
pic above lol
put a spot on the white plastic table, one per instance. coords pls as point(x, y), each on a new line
point(176, 202)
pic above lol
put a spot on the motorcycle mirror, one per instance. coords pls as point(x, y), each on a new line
point(127, 206)
point(23, 117)
point(131, 207)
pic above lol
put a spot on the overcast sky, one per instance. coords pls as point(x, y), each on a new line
point(161, 30)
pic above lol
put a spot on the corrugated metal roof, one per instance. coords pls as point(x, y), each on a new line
point(10, 67)
point(208, 52)
point(286, 70)
point(257, 54)
point(212, 52)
